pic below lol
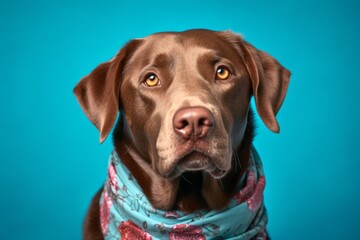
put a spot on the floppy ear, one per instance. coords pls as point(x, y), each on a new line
point(98, 92)
point(270, 81)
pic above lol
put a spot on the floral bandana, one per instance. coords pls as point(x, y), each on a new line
point(126, 213)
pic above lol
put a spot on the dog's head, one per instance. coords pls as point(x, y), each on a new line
point(184, 97)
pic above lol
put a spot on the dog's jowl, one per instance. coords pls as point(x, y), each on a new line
point(183, 164)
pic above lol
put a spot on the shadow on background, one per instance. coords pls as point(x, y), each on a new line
point(52, 163)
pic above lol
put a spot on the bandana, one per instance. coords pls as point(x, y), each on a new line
point(126, 213)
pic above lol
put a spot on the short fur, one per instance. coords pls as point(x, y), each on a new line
point(144, 135)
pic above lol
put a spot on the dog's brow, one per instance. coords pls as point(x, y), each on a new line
point(212, 58)
point(161, 60)
point(213, 54)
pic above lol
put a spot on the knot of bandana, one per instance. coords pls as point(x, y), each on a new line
point(126, 213)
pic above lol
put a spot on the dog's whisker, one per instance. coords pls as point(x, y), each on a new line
point(222, 185)
point(236, 158)
point(186, 179)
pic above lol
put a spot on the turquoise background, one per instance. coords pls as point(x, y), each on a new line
point(52, 163)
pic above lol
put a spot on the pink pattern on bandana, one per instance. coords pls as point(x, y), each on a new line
point(255, 200)
point(105, 212)
point(130, 231)
point(186, 232)
point(113, 179)
point(249, 188)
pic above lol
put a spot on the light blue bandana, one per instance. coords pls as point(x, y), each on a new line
point(126, 213)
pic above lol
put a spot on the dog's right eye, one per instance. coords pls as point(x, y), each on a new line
point(151, 80)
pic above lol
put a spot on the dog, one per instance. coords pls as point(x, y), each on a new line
point(183, 138)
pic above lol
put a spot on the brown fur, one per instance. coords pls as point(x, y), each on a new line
point(144, 137)
point(91, 228)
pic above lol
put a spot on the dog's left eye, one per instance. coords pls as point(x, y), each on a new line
point(222, 73)
point(151, 80)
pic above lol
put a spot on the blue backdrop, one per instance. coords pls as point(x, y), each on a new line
point(52, 163)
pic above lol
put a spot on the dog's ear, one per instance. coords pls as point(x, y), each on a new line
point(269, 79)
point(270, 82)
point(98, 92)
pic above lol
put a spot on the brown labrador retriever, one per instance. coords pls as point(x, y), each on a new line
point(185, 129)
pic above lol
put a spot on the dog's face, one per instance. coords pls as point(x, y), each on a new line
point(185, 98)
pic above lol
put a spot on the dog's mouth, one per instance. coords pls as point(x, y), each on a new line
point(195, 161)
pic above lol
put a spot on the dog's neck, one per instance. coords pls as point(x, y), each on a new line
point(192, 191)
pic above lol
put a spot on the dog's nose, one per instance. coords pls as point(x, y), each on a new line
point(193, 122)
